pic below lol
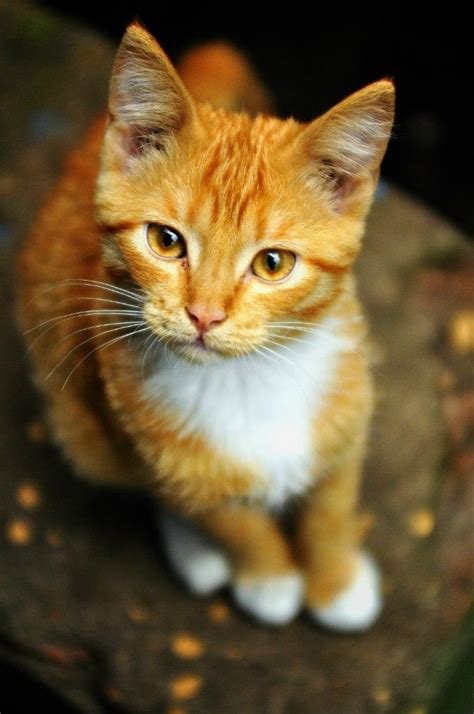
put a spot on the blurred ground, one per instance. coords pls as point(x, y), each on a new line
point(87, 605)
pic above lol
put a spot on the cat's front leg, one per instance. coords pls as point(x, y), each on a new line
point(195, 557)
point(246, 547)
point(342, 581)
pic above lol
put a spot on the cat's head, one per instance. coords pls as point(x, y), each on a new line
point(233, 227)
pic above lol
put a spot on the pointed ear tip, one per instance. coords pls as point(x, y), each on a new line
point(385, 89)
point(136, 31)
point(387, 85)
point(376, 94)
point(382, 94)
point(384, 86)
point(389, 94)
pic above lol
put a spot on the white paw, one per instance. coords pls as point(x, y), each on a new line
point(195, 559)
point(273, 600)
point(357, 607)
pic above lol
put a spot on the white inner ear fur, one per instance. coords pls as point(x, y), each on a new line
point(347, 144)
point(354, 141)
point(147, 100)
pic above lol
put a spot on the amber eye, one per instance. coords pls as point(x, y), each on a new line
point(165, 242)
point(273, 264)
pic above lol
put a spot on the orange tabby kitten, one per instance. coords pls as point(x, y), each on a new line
point(193, 324)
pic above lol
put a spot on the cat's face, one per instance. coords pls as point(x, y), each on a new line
point(225, 226)
point(234, 229)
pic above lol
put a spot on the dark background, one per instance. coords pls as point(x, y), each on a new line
point(312, 55)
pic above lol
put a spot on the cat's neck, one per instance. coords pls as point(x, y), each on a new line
point(256, 409)
point(298, 369)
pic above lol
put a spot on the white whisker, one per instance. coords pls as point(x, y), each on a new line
point(100, 348)
point(94, 284)
point(92, 337)
point(70, 315)
point(94, 326)
point(279, 344)
point(87, 282)
point(154, 339)
point(315, 329)
point(64, 318)
point(131, 305)
point(264, 347)
point(269, 359)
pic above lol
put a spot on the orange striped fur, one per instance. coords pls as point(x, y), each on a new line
point(231, 184)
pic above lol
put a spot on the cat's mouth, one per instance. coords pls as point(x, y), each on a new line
point(201, 347)
point(200, 344)
point(196, 350)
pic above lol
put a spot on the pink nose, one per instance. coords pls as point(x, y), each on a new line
point(205, 317)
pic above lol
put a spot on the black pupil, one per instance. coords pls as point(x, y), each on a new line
point(168, 239)
point(273, 261)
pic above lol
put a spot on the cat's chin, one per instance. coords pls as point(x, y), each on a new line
point(197, 352)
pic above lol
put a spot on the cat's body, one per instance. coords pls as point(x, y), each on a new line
point(256, 394)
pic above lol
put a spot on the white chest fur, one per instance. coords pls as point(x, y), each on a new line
point(259, 411)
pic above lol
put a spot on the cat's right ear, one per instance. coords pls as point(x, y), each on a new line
point(342, 150)
point(148, 103)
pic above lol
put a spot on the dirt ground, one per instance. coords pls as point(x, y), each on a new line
point(87, 604)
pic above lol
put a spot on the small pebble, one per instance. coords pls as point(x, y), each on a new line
point(36, 431)
point(461, 331)
point(185, 687)
point(64, 656)
point(54, 538)
point(113, 694)
point(464, 462)
point(233, 653)
point(446, 380)
point(28, 496)
point(218, 612)
point(365, 523)
point(7, 184)
point(137, 613)
point(382, 696)
point(421, 523)
point(377, 354)
point(19, 532)
point(187, 646)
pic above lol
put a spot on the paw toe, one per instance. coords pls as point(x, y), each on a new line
point(357, 607)
point(273, 600)
point(207, 573)
point(195, 559)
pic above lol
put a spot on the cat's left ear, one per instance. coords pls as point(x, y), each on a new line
point(342, 150)
point(148, 103)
